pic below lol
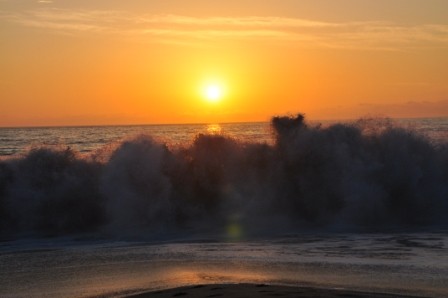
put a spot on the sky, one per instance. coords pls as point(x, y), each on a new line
point(145, 61)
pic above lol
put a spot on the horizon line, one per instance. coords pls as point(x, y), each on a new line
point(209, 123)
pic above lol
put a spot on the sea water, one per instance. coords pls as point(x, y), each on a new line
point(400, 263)
point(92, 211)
point(16, 140)
point(85, 139)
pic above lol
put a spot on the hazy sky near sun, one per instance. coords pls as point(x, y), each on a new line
point(145, 61)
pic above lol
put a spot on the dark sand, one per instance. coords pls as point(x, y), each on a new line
point(252, 290)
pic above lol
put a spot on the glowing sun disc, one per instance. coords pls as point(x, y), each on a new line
point(213, 93)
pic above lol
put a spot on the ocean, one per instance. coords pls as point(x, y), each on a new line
point(84, 139)
point(89, 138)
point(115, 210)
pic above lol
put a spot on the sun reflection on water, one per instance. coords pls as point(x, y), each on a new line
point(211, 275)
point(214, 129)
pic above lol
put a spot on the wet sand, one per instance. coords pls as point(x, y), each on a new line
point(260, 290)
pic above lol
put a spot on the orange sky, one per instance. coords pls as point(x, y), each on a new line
point(133, 62)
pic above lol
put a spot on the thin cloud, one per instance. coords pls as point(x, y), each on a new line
point(356, 35)
point(218, 33)
point(249, 21)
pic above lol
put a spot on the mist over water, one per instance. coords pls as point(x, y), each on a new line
point(369, 175)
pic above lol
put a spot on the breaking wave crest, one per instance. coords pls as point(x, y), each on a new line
point(364, 175)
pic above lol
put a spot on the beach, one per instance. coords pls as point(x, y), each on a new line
point(259, 290)
point(411, 265)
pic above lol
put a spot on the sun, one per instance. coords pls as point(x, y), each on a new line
point(213, 93)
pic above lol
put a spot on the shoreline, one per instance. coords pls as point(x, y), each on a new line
point(261, 290)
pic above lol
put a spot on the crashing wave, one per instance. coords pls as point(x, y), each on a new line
point(362, 175)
